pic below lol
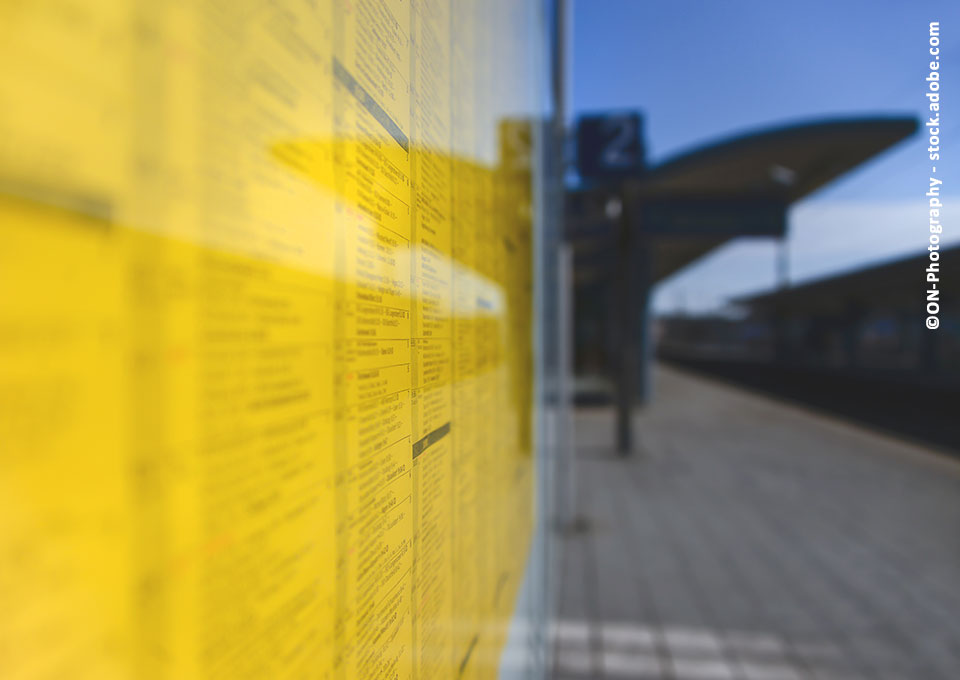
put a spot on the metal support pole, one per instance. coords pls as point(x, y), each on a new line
point(643, 340)
point(626, 345)
point(569, 511)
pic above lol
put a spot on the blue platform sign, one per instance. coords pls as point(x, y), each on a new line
point(610, 146)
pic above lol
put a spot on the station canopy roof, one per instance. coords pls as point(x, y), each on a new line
point(890, 284)
point(735, 187)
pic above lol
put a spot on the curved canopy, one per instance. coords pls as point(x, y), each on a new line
point(784, 163)
point(887, 284)
point(740, 186)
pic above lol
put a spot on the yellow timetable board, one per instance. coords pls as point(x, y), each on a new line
point(266, 376)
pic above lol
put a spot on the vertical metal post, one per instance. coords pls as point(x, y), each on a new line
point(783, 263)
point(642, 283)
point(568, 454)
point(781, 344)
point(626, 345)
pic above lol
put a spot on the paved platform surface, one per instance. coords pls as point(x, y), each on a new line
point(750, 540)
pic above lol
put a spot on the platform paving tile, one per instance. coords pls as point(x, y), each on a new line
point(747, 539)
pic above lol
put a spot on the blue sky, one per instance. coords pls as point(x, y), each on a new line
point(704, 70)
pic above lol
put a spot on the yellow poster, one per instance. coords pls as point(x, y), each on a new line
point(266, 311)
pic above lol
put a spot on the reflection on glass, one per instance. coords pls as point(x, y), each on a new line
point(265, 337)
